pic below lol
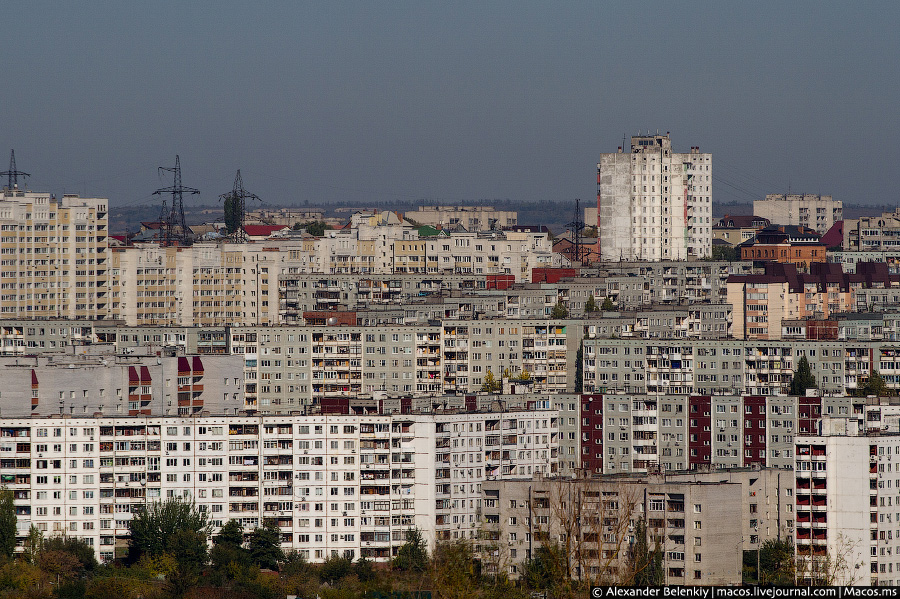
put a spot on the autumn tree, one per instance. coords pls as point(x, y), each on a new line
point(491, 384)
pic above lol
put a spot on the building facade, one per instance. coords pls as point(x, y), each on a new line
point(653, 203)
point(817, 212)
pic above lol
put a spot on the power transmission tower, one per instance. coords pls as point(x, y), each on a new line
point(576, 227)
point(239, 195)
point(12, 175)
point(174, 231)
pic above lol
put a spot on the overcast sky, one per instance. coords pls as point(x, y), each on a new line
point(447, 101)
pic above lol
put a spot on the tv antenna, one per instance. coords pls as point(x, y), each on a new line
point(236, 199)
point(12, 175)
point(174, 231)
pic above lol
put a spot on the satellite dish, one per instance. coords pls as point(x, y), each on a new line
point(331, 321)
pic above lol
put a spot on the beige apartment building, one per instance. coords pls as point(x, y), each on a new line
point(472, 218)
point(815, 211)
point(53, 256)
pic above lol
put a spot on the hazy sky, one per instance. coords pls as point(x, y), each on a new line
point(357, 101)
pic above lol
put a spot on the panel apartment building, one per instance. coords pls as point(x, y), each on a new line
point(335, 485)
point(702, 521)
point(846, 505)
point(817, 212)
point(653, 203)
point(53, 256)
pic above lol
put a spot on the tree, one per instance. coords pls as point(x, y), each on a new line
point(491, 384)
point(727, 254)
point(607, 304)
point(33, 544)
point(188, 547)
point(413, 555)
point(776, 563)
point(335, 568)
point(579, 369)
point(803, 378)
point(559, 310)
point(8, 522)
point(455, 572)
point(316, 228)
point(232, 209)
point(265, 547)
point(644, 564)
point(231, 533)
point(874, 385)
point(523, 376)
point(153, 527)
point(78, 548)
point(591, 304)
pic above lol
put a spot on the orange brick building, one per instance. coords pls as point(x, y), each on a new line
point(787, 244)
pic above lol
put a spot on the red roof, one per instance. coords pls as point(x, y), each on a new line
point(835, 235)
point(262, 230)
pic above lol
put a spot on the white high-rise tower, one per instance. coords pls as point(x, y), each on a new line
point(653, 203)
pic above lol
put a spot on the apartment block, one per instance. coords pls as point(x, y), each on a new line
point(88, 383)
point(818, 212)
point(54, 256)
point(761, 302)
point(335, 485)
point(653, 203)
point(697, 521)
point(846, 505)
point(472, 218)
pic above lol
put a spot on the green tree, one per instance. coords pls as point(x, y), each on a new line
point(8, 522)
point(874, 385)
point(579, 369)
point(316, 228)
point(725, 253)
point(803, 378)
point(231, 533)
point(154, 526)
point(591, 304)
point(412, 555)
point(75, 547)
point(232, 210)
point(265, 547)
point(364, 570)
point(607, 304)
point(491, 384)
point(776, 563)
point(189, 549)
point(644, 564)
point(546, 571)
point(559, 310)
point(335, 568)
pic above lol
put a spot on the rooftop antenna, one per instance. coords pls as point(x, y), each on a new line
point(172, 221)
point(12, 175)
point(236, 201)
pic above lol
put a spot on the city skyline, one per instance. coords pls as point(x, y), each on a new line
point(405, 101)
